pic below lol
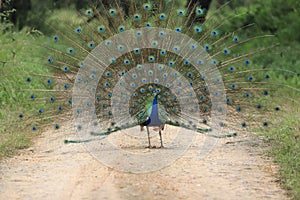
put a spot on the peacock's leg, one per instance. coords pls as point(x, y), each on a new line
point(148, 137)
point(161, 142)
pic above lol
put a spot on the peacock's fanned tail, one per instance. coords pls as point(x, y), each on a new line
point(108, 67)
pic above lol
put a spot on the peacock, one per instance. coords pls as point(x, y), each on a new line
point(154, 63)
point(153, 120)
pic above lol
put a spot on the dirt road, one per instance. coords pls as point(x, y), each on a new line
point(50, 169)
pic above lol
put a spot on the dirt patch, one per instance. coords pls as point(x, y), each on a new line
point(51, 169)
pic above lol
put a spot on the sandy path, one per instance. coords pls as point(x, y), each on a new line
point(54, 170)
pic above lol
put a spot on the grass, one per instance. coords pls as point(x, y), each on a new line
point(15, 49)
point(21, 55)
point(285, 148)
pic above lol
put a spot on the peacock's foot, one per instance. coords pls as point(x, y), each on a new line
point(154, 147)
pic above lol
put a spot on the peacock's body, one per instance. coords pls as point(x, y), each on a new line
point(153, 63)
